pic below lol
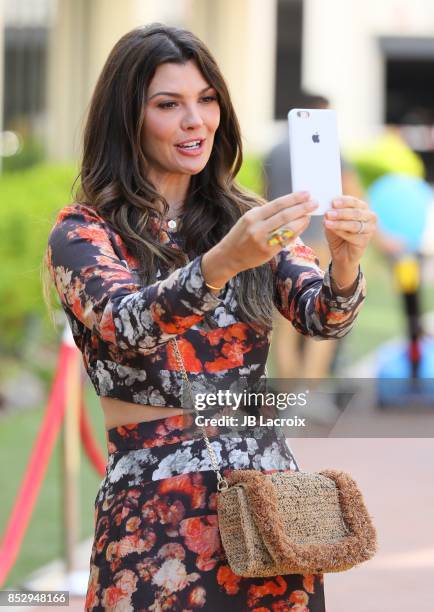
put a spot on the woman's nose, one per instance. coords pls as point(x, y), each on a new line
point(192, 118)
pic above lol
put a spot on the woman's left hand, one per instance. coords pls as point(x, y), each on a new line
point(349, 226)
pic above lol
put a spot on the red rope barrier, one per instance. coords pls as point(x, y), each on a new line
point(90, 445)
point(36, 467)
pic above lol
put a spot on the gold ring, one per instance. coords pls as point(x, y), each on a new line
point(280, 236)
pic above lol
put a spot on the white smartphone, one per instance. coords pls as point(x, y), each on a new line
point(314, 155)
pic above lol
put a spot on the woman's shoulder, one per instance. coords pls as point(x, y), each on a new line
point(81, 227)
point(79, 211)
point(76, 219)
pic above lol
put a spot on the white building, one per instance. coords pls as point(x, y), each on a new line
point(373, 59)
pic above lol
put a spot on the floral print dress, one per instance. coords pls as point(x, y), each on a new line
point(157, 545)
point(123, 329)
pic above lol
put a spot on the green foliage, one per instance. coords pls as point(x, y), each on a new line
point(31, 154)
point(388, 153)
point(30, 201)
point(251, 174)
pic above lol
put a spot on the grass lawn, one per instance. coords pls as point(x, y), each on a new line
point(43, 541)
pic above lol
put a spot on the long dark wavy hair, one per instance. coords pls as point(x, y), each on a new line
point(113, 177)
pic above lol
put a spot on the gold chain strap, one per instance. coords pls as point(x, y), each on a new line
point(222, 483)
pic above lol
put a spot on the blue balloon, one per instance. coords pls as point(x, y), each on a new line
point(401, 203)
point(394, 384)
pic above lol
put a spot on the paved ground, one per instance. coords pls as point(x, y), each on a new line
point(397, 479)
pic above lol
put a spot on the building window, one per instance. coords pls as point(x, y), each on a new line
point(24, 75)
point(409, 98)
point(288, 56)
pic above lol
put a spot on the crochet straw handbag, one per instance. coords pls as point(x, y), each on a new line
point(289, 522)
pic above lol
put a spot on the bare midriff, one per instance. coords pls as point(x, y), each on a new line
point(117, 412)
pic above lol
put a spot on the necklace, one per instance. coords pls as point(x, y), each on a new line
point(172, 223)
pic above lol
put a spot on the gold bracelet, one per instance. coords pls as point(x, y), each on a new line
point(212, 287)
point(343, 287)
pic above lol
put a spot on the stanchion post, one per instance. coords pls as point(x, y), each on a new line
point(71, 457)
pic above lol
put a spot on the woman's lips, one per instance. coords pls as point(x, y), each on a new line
point(192, 152)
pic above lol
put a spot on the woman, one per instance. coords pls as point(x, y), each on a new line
point(163, 244)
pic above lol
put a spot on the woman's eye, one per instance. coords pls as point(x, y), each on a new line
point(166, 104)
point(206, 99)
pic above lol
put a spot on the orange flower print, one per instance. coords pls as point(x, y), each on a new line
point(202, 537)
point(233, 348)
point(115, 564)
point(190, 485)
point(147, 568)
point(174, 422)
point(212, 503)
point(108, 502)
point(281, 606)
point(304, 277)
point(299, 597)
point(111, 597)
point(172, 550)
point(117, 598)
point(101, 541)
point(126, 580)
point(131, 544)
point(219, 364)
point(119, 516)
point(164, 602)
point(274, 587)
point(103, 523)
point(92, 599)
point(188, 353)
point(234, 351)
point(133, 523)
point(308, 583)
point(107, 327)
point(228, 580)
point(197, 597)
point(337, 318)
point(157, 509)
point(303, 253)
point(93, 233)
point(176, 324)
point(214, 336)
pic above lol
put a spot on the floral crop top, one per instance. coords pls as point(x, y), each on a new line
point(123, 329)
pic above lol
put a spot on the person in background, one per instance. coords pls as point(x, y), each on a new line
point(295, 355)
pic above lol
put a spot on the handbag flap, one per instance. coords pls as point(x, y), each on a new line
point(247, 552)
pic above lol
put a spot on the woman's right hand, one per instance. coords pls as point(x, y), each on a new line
point(246, 244)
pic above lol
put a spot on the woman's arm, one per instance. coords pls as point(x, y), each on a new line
point(304, 295)
point(99, 290)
